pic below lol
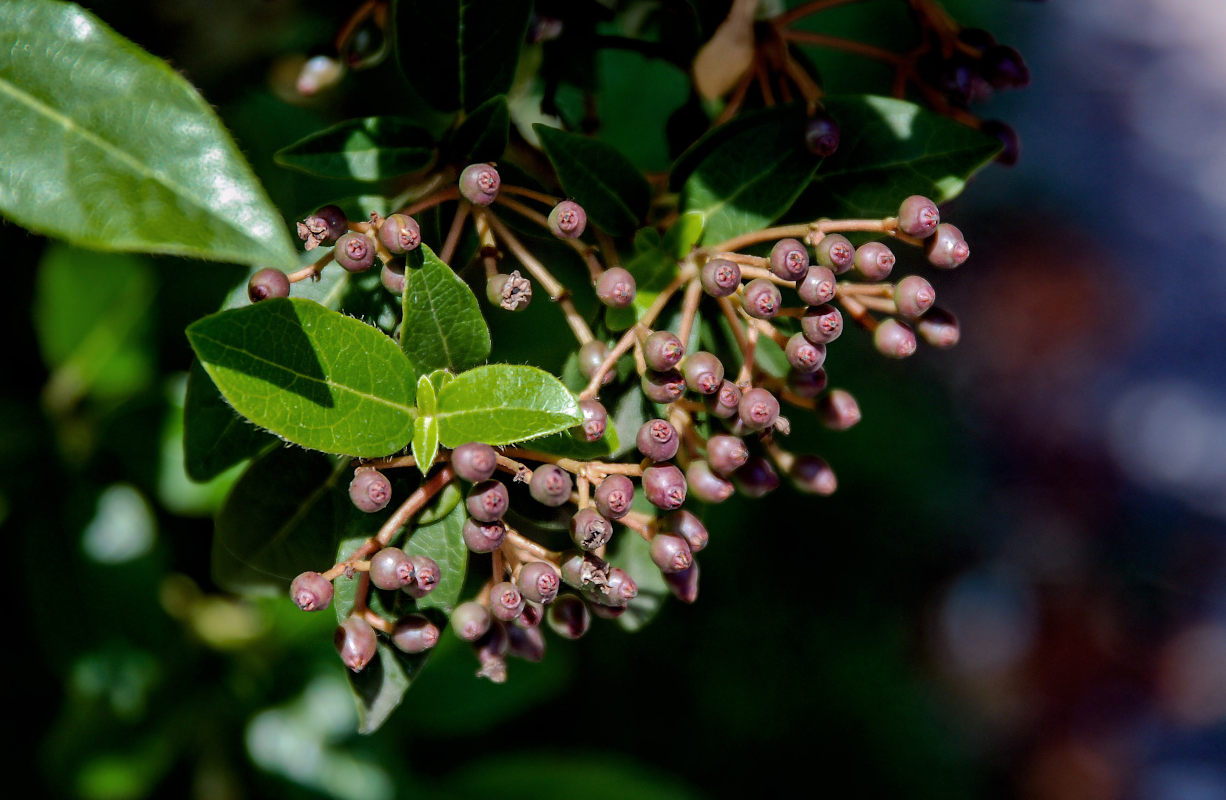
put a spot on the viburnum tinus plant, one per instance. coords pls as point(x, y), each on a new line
point(401, 473)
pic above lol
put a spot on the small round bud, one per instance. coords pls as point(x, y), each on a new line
point(506, 601)
point(550, 485)
point(704, 373)
point(525, 643)
point(671, 553)
point(817, 287)
point(470, 620)
point(894, 339)
point(1007, 136)
point(569, 617)
point(684, 584)
point(821, 134)
point(415, 634)
point(812, 474)
point(705, 484)
point(720, 277)
point(726, 454)
point(762, 299)
point(370, 490)
point(947, 249)
point(757, 478)
point(392, 278)
point(664, 486)
point(487, 501)
point(266, 284)
point(591, 356)
point(789, 259)
point(568, 220)
point(355, 252)
point(663, 350)
point(913, 296)
point(620, 590)
point(663, 387)
point(803, 355)
point(724, 403)
point(615, 287)
point(918, 216)
point(400, 233)
point(758, 410)
point(483, 537)
point(391, 568)
point(939, 328)
point(323, 227)
point(539, 582)
point(512, 292)
point(689, 527)
point(836, 252)
point(838, 409)
point(821, 324)
point(614, 496)
point(874, 261)
point(474, 462)
point(589, 530)
point(595, 420)
point(311, 591)
point(808, 385)
point(581, 569)
point(479, 184)
point(658, 440)
point(355, 641)
point(426, 576)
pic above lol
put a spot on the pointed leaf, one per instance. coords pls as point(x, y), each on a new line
point(482, 136)
point(368, 149)
point(443, 541)
point(80, 161)
point(425, 442)
point(215, 438)
point(611, 190)
point(502, 404)
point(427, 397)
point(443, 326)
point(313, 376)
point(380, 688)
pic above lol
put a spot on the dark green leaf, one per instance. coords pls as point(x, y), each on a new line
point(532, 776)
point(611, 190)
point(80, 161)
point(634, 100)
point(313, 376)
point(443, 541)
point(443, 327)
point(440, 506)
point(425, 442)
point(482, 136)
point(633, 554)
point(380, 687)
point(214, 437)
point(564, 444)
point(504, 403)
point(459, 54)
point(898, 149)
point(368, 149)
point(748, 179)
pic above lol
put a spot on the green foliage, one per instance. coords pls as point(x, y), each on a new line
point(482, 136)
point(503, 404)
point(215, 437)
point(602, 180)
point(441, 541)
point(443, 327)
point(369, 149)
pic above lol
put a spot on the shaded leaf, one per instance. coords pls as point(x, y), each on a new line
point(564, 444)
point(502, 404)
point(367, 149)
point(313, 376)
point(633, 554)
point(443, 541)
point(379, 688)
point(215, 438)
point(80, 162)
point(482, 136)
point(441, 505)
point(443, 327)
point(611, 190)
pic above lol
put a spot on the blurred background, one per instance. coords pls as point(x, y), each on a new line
point(1019, 590)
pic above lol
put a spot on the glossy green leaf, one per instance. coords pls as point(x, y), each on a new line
point(611, 190)
point(749, 179)
point(443, 541)
point(482, 136)
point(565, 444)
point(368, 149)
point(427, 397)
point(442, 326)
point(460, 53)
point(441, 505)
point(215, 438)
point(899, 149)
point(425, 442)
point(380, 687)
point(81, 162)
point(313, 376)
point(502, 404)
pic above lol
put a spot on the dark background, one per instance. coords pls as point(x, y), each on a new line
point(1019, 589)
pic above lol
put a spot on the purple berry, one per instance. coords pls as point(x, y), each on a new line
point(568, 220)
point(1004, 68)
point(818, 286)
point(671, 553)
point(758, 410)
point(391, 568)
point(947, 249)
point(918, 216)
point(506, 601)
point(470, 620)
point(684, 584)
point(803, 355)
point(1007, 136)
point(757, 478)
point(705, 484)
point(392, 277)
point(311, 591)
point(812, 474)
point(939, 328)
point(724, 403)
point(550, 485)
point(658, 440)
point(821, 134)
point(532, 614)
point(483, 537)
point(479, 184)
point(569, 617)
point(615, 288)
point(894, 339)
point(726, 454)
point(662, 351)
point(525, 643)
point(474, 462)
point(591, 356)
point(400, 234)
point(415, 634)
point(487, 501)
point(664, 486)
point(595, 420)
point(426, 577)
point(762, 299)
point(689, 527)
point(323, 227)
point(539, 582)
point(663, 387)
point(836, 252)
point(614, 496)
point(589, 530)
point(913, 296)
point(789, 259)
point(266, 284)
point(874, 261)
point(720, 277)
point(821, 324)
point(355, 642)
point(838, 409)
point(704, 373)
point(620, 590)
point(807, 385)
point(370, 490)
point(355, 252)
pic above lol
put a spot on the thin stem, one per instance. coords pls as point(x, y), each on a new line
point(314, 270)
point(857, 312)
point(766, 274)
point(777, 336)
point(584, 250)
point(377, 622)
point(751, 341)
point(882, 304)
point(800, 12)
point(441, 196)
point(386, 463)
point(745, 260)
point(735, 101)
point(764, 84)
point(738, 330)
point(866, 289)
point(846, 45)
point(523, 543)
point(453, 234)
point(421, 190)
point(689, 309)
point(531, 194)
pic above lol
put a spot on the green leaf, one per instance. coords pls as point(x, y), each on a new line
point(441, 505)
point(214, 437)
point(685, 234)
point(380, 688)
point(611, 190)
point(751, 177)
point(443, 327)
point(566, 445)
point(504, 403)
point(425, 442)
point(280, 519)
point(633, 554)
point(459, 54)
point(482, 136)
point(313, 376)
point(368, 149)
point(898, 149)
point(443, 541)
point(82, 160)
